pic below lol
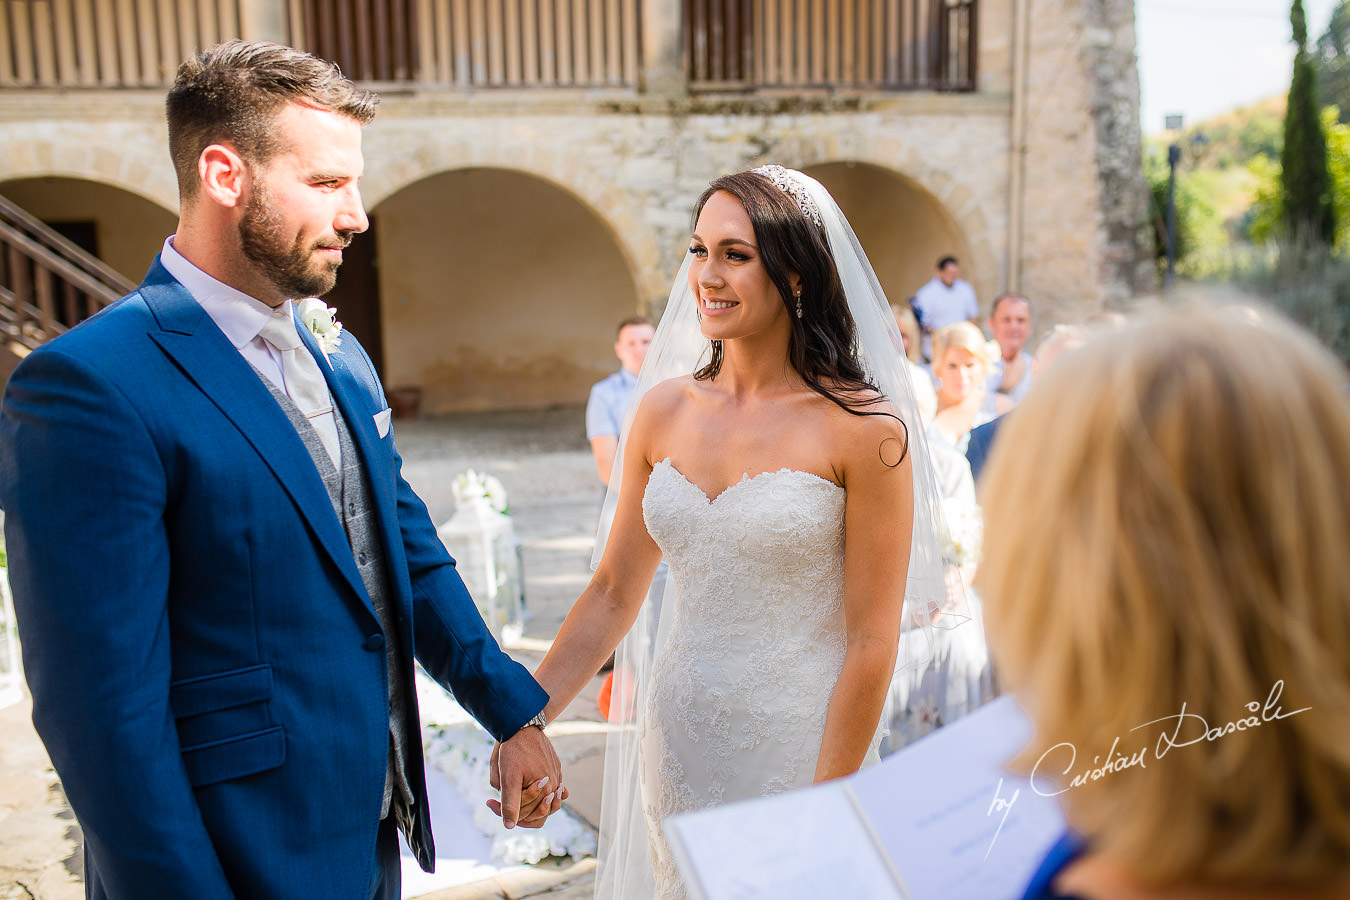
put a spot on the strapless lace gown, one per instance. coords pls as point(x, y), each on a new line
point(741, 684)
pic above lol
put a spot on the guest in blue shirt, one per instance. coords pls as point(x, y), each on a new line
point(1167, 591)
point(1011, 373)
point(947, 298)
point(610, 396)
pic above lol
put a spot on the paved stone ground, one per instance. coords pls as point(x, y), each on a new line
point(544, 462)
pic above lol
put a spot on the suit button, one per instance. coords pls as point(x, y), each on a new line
point(360, 559)
point(375, 642)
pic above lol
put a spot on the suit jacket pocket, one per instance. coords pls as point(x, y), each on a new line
point(235, 757)
point(220, 690)
point(225, 709)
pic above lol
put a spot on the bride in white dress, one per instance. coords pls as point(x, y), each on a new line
point(781, 473)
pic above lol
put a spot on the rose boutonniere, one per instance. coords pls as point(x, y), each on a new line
point(321, 320)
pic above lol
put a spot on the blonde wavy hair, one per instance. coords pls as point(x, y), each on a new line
point(1167, 518)
point(909, 327)
point(964, 336)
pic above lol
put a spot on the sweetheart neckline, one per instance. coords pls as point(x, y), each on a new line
point(745, 479)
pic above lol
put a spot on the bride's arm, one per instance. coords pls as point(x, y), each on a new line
point(878, 523)
point(607, 608)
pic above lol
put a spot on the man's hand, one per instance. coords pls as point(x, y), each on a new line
point(527, 771)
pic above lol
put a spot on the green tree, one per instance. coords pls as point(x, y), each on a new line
point(1338, 167)
point(1266, 213)
point(1332, 60)
point(1308, 212)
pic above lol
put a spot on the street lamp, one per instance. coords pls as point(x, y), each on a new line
point(1173, 123)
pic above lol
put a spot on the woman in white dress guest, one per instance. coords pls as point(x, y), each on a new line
point(961, 358)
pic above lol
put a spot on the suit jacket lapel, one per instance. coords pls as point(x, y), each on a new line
point(207, 357)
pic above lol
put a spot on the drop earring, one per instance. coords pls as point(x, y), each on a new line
point(798, 295)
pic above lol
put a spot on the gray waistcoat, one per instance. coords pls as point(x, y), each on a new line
point(350, 493)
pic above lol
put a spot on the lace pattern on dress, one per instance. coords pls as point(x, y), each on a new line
point(740, 687)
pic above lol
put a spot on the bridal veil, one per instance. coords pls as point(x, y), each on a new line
point(934, 597)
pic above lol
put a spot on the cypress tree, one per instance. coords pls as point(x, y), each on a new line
point(1308, 212)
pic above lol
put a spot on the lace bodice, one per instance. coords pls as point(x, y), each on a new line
point(743, 678)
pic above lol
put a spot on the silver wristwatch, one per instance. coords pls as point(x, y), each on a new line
point(537, 720)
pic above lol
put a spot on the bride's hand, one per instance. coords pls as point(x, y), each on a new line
point(527, 799)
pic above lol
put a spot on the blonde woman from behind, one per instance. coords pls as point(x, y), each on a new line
point(1189, 570)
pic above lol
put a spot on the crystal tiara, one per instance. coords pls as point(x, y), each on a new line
point(785, 181)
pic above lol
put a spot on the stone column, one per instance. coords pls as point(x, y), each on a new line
point(662, 45)
point(264, 20)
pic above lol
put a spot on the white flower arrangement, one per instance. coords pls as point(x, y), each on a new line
point(470, 485)
point(321, 320)
point(965, 527)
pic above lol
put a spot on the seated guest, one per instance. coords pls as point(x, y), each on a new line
point(1052, 346)
point(1010, 373)
point(1177, 626)
point(960, 365)
point(611, 395)
point(919, 375)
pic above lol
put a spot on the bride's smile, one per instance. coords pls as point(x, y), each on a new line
point(736, 295)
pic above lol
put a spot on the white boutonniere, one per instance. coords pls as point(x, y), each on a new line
point(321, 320)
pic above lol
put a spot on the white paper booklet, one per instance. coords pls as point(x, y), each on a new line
point(940, 820)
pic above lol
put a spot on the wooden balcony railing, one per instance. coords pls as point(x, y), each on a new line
point(474, 43)
point(47, 284)
point(470, 44)
point(867, 44)
point(107, 43)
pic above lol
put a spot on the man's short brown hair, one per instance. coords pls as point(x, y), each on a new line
point(631, 321)
point(232, 93)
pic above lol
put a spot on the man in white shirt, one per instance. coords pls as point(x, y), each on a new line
point(944, 300)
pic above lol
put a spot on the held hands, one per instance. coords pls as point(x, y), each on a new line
point(527, 771)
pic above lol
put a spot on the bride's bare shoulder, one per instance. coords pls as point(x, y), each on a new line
point(878, 429)
point(667, 396)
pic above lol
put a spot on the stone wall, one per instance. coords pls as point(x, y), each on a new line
point(922, 174)
point(1085, 202)
point(1127, 267)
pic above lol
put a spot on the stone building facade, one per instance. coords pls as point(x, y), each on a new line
point(515, 223)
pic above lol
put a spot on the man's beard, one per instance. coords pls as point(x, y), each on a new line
point(290, 269)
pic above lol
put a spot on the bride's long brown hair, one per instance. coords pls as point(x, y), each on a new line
point(823, 342)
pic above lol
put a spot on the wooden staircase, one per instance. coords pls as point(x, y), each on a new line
point(47, 285)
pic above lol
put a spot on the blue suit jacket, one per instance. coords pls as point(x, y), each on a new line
point(207, 670)
point(981, 442)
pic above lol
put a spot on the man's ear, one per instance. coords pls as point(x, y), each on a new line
point(223, 174)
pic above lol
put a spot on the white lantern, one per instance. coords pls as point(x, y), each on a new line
point(483, 542)
point(11, 668)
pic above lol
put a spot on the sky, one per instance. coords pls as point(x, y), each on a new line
point(1202, 57)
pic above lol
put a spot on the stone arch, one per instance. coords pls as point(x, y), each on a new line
point(499, 290)
point(410, 152)
point(122, 227)
point(903, 227)
point(897, 170)
point(125, 155)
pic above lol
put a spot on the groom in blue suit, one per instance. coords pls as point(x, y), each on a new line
point(220, 575)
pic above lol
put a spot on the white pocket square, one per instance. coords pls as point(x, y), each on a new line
point(382, 421)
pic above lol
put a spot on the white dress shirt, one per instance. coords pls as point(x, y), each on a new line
point(240, 317)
